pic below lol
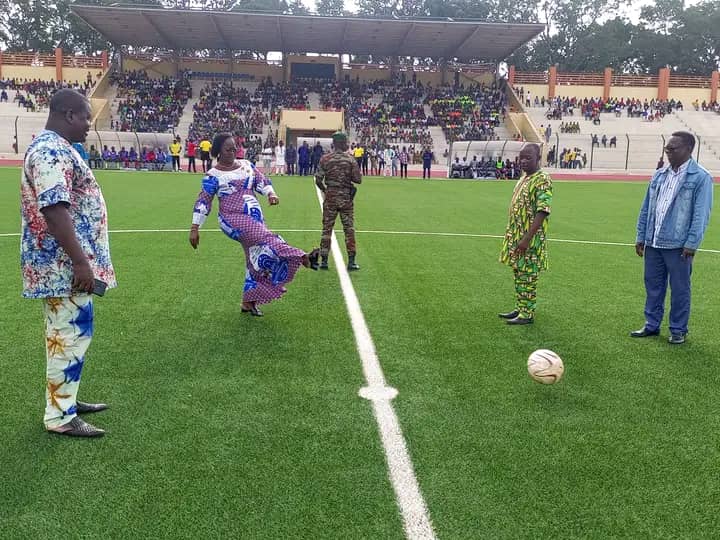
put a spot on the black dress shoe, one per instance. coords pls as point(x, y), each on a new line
point(676, 339)
point(645, 332)
point(510, 315)
point(84, 408)
point(520, 320)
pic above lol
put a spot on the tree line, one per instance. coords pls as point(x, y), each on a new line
point(579, 35)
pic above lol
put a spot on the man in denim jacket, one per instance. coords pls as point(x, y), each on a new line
point(672, 221)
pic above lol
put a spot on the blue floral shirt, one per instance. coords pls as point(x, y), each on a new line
point(54, 173)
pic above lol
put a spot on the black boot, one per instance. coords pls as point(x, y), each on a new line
point(324, 263)
point(352, 265)
point(313, 257)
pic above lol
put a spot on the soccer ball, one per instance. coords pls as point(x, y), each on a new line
point(544, 366)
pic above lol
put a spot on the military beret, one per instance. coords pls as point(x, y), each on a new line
point(339, 136)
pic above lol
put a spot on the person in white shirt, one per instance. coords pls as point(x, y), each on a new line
point(280, 159)
point(267, 156)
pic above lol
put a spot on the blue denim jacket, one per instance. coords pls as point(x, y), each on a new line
point(686, 219)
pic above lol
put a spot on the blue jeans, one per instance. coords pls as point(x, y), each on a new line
point(663, 266)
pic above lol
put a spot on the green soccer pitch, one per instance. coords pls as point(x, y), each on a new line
point(227, 426)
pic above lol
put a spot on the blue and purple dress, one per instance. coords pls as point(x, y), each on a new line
point(271, 263)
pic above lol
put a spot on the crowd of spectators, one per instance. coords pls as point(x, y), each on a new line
point(222, 107)
point(592, 108)
point(149, 105)
point(712, 106)
point(287, 95)
point(34, 95)
point(470, 113)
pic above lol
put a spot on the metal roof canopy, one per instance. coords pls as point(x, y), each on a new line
point(187, 29)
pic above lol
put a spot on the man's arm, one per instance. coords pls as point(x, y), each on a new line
point(320, 176)
point(60, 225)
point(524, 243)
point(700, 217)
point(356, 177)
point(642, 225)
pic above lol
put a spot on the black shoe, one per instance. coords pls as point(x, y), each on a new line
point(676, 339)
point(313, 257)
point(645, 332)
point(353, 266)
point(84, 408)
point(510, 315)
point(324, 266)
point(254, 311)
point(520, 320)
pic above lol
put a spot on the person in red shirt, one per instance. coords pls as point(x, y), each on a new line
point(190, 150)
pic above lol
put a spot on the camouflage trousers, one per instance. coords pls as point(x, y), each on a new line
point(525, 292)
point(337, 203)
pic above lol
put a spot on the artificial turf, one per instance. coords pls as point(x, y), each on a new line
point(226, 426)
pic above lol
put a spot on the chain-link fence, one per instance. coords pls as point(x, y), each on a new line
point(624, 152)
point(582, 152)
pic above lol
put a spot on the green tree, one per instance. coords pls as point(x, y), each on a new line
point(334, 8)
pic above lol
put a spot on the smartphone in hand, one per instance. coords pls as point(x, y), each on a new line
point(99, 287)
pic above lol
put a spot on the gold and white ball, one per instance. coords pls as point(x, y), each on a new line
point(545, 366)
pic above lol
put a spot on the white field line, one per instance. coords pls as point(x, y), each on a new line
point(409, 233)
point(412, 506)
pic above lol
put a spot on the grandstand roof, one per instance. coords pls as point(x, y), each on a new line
point(188, 29)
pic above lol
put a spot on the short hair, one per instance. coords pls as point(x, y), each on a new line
point(535, 148)
point(687, 138)
point(66, 99)
point(218, 142)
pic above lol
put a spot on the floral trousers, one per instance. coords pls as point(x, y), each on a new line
point(68, 333)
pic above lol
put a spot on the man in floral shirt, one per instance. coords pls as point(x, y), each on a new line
point(64, 251)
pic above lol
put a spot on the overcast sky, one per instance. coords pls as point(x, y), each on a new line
point(633, 11)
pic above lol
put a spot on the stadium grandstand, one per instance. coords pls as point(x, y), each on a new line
point(463, 111)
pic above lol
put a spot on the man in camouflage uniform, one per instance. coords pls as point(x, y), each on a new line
point(335, 176)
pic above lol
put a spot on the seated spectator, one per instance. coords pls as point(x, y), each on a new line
point(95, 158)
point(132, 158)
point(113, 158)
point(105, 156)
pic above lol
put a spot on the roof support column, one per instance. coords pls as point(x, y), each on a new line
point(285, 65)
point(607, 83)
point(511, 76)
point(714, 83)
point(552, 81)
point(443, 71)
point(58, 64)
point(663, 83)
